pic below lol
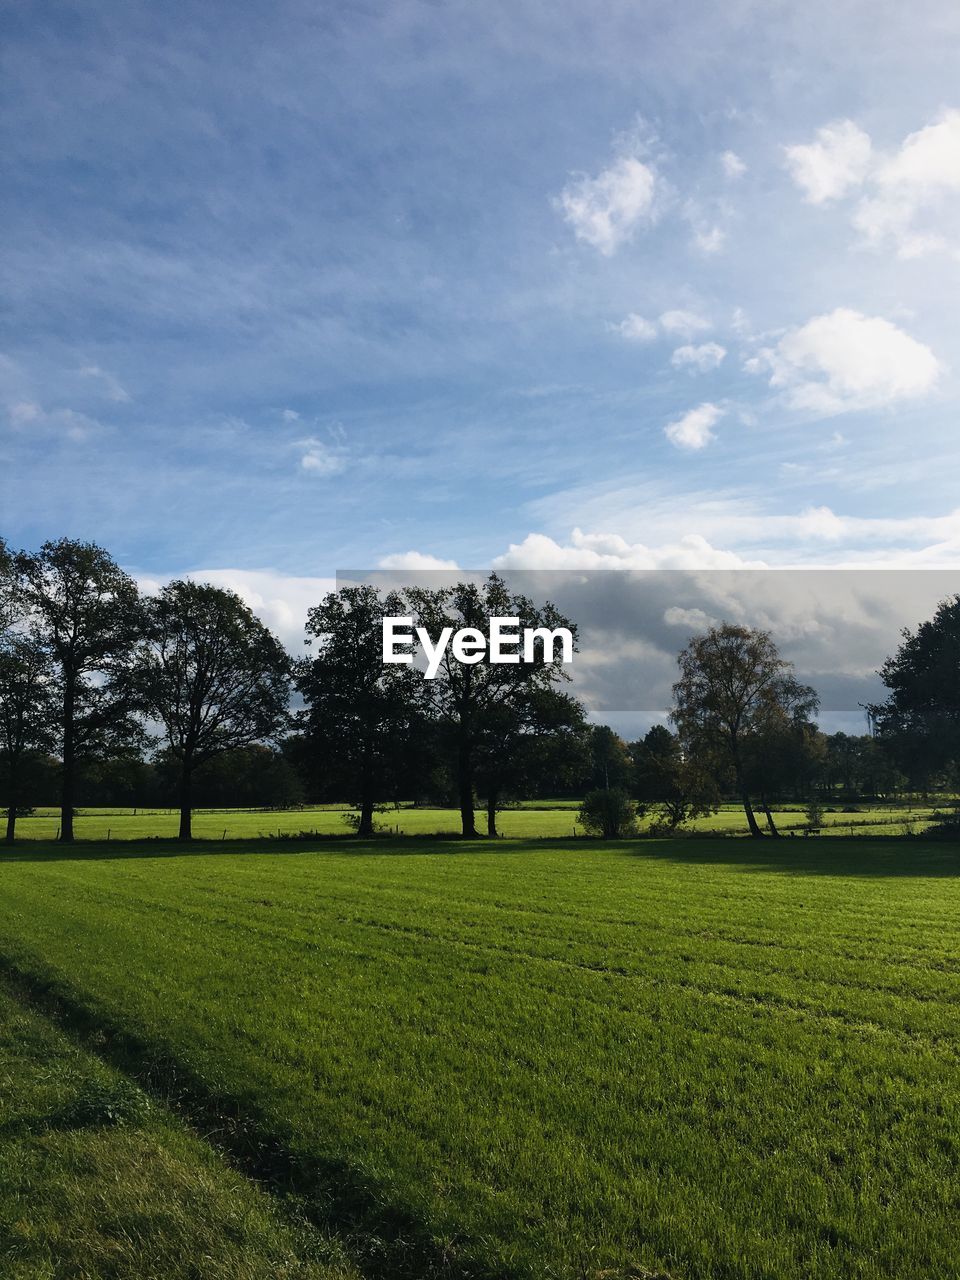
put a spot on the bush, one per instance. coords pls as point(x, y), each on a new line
point(608, 813)
point(814, 813)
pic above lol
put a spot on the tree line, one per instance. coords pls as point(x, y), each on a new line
point(185, 696)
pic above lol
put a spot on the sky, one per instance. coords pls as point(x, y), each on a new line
point(290, 288)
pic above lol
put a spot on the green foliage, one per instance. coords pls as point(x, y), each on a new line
point(476, 705)
point(364, 728)
point(211, 674)
point(920, 721)
point(741, 714)
point(86, 614)
point(608, 812)
point(115, 1101)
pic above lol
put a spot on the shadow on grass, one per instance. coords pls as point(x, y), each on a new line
point(851, 855)
point(384, 1240)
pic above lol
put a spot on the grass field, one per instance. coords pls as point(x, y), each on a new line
point(95, 1181)
point(729, 1059)
point(549, 819)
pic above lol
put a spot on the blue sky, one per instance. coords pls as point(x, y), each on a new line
point(294, 287)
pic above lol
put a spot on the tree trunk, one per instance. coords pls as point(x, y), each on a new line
point(492, 814)
point(365, 825)
point(186, 803)
point(465, 788)
point(751, 816)
point(770, 823)
point(11, 822)
point(68, 773)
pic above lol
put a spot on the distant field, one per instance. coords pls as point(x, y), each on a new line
point(730, 1059)
point(537, 818)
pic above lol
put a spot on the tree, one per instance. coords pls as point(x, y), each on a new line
point(608, 812)
point(468, 698)
point(524, 741)
point(27, 712)
point(8, 587)
point(675, 787)
point(363, 720)
point(610, 763)
point(212, 675)
point(921, 718)
point(87, 615)
point(734, 697)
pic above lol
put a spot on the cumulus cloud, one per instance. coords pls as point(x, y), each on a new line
point(610, 551)
point(917, 180)
point(908, 198)
point(636, 329)
point(693, 619)
point(683, 324)
point(415, 560)
point(709, 239)
point(606, 211)
point(676, 323)
point(733, 167)
point(828, 168)
point(694, 430)
point(703, 358)
point(845, 361)
point(319, 459)
point(279, 600)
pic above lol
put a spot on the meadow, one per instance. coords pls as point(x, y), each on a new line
point(548, 819)
point(682, 1058)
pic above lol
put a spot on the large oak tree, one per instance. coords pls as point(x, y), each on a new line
point(212, 675)
point(86, 613)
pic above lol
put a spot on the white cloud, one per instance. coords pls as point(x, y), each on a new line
point(112, 388)
point(709, 239)
point(415, 560)
point(917, 179)
point(706, 356)
point(908, 197)
point(607, 210)
point(319, 459)
point(279, 600)
point(290, 415)
point(24, 414)
point(693, 618)
point(636, 329)
point(733, 167)
point(845, 361)
point(695, 429)
point(610, 551)
point(683, 324)
point(828, 168)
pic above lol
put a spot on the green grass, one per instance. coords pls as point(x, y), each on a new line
point(549, 819)
point(730, 1060)
point(99, 1184)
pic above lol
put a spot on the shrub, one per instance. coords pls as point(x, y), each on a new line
point(814, 813)
point(608, 813)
